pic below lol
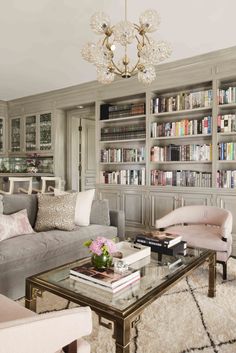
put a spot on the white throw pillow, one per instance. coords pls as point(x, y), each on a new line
point(83, 207)
point(14, 224)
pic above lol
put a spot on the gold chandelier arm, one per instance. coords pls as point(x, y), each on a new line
point(135, 67)
point(116, 67)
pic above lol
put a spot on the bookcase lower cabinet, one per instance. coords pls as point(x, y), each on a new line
point(195, 199)
point(229, 203)
point(132, 202)
point(161, 203)
point(113, 197)
point(134, 205)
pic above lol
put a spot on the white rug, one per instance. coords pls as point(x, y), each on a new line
point(184, 320)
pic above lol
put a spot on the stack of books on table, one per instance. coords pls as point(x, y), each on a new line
point(164, 243)
point(107, 280)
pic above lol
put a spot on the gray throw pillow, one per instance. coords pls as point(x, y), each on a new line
point(100, 213)
point(55, 212)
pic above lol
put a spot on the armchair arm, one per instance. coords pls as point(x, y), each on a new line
point(168, 220)
point(45, 333)
point(117, 219)
point(226, 226)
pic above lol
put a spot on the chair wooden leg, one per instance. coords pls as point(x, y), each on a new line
point(224, 264)
point(71, 348)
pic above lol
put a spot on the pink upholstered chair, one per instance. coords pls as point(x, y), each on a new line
point(23, 331)
point(202, 226)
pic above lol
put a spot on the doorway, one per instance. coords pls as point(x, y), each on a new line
point(81, 156)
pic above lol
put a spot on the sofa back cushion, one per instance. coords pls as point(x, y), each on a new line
point(55, 212)
point(100, 213)
point(14, 225)
point(16, 202)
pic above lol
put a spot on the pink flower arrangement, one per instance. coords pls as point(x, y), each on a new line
point(101, 245)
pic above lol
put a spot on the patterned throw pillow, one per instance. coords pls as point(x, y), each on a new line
point(14, 224)
point(55, 212)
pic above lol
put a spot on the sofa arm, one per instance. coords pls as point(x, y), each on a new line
point(117, 219)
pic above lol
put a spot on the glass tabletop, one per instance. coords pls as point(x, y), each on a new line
point(154, 270)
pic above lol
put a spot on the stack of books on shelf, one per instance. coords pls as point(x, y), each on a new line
point(181, 178)
point(182, 101)
point(163, 243)
point(123, 177)
point(111, 111)
point(124, 132)
point(226, 179)
point(107, 280)
point(184, 127)
point(193, 152)
point(226, 123)
point(227, 95)
point(227, 151)
point(119, 155)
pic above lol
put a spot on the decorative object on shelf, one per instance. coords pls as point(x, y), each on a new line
point(102, 250)
point(124, 33)
point(33, 162)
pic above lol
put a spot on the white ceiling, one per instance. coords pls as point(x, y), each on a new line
point(40, 40)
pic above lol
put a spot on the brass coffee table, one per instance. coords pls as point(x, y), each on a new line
point(122, 310)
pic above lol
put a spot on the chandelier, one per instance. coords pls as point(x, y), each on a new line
point(124, 34)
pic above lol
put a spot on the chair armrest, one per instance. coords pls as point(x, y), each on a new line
point(226, 226)
point(45, 333)
point(117, 219)
point(166, 221)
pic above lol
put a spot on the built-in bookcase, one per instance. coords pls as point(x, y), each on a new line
point(184, 137)
point(123, 141)
point(226, 134)
point(181, 136)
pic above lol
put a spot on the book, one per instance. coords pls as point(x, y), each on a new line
point(117, 289)
point(162, 240)
point(106, 278)
point(177, 249)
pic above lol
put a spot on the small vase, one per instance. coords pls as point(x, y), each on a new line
point(32, 169)
point(101, 262)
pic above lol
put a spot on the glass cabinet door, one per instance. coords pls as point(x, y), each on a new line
point(30, 133)
point(2, 135)
point(45, 132)
point(15, 135)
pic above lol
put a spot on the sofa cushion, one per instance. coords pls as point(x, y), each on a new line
point(100, 213)
point(42, 248)
point(83, 207)
point(55, 212)
point(16, 202)
point(14, 224)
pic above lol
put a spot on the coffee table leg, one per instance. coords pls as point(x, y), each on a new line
point(122, 335)
point(31, 294)
point(212, 276)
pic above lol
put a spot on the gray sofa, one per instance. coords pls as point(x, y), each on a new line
point(25, 255)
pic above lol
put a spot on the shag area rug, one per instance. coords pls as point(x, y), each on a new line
point(184, 320)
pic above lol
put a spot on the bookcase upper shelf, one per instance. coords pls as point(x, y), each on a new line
point(123, 119)
point(183, 112)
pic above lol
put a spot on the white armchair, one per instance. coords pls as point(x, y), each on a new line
point(23, 331)
point(204, 227)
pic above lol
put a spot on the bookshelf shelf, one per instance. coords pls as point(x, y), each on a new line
point(226, 162)
point(182, 112)
point(226, 133)
point(227, 106)
point(181, 162)
point(123, 163)
point(207, 136)
point(133, 117)
point(123, 141)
